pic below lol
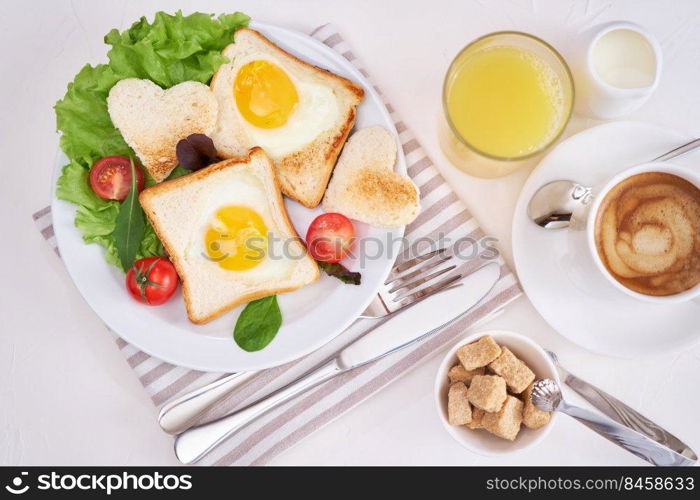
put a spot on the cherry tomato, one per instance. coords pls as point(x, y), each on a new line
point(330, 237)
point(110, 177)
point(152, 280)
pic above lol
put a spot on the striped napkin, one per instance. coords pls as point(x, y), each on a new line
point(442, 214)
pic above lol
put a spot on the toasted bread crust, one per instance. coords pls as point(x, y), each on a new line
point(348, 84)
point(295, 164)
point(244, 299)
point(146, 197)
point(304, 175)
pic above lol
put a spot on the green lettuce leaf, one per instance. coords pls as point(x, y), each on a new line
point(169, 50)
point(73, 185)
point(178, 172)
point(150, 244)
point(97, 226)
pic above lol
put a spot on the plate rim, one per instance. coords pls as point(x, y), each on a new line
point(400, 166)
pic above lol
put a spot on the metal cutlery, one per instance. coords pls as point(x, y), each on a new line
point(620, 412)
point(547, 396)
point(178, 415)
point(447, 302)
point(553, 204)
point(408, 282)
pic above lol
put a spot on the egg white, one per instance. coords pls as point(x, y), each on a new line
point(316, 112)
point(247, 190)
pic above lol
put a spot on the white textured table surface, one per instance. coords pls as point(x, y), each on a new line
point(66, 394)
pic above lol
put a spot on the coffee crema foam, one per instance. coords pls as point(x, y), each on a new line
point(647, 233)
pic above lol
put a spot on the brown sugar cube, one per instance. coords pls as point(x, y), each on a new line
point(459, 411)
point(458, 374)
point(487, 392)
point(533, 417)
point(479, 353)
point(516, 373)
point(506, 422)
point(477, 416)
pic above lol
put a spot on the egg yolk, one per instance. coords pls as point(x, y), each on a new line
point(264, 94)
point(236, 239)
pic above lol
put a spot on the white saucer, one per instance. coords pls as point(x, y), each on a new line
point(558, 274)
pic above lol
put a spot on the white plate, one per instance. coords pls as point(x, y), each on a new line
point(564, 287)
point(312, 316)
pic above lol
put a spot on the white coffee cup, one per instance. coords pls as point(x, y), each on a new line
point(593, 207)
point(616, 67)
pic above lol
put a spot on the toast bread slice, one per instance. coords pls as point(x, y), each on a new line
point(181, 209)
point(303, 171)
point(364, 185)
point(152, 120)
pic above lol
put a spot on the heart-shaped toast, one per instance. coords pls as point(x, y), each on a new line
point(153, 120)
point(364, 185)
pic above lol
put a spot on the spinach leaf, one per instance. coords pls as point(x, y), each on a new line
point(130, 225)
point(258, 324)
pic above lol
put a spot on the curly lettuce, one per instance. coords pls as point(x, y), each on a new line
point(170, 50)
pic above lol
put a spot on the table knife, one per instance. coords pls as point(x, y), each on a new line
point(621, 413)
point(400, 330)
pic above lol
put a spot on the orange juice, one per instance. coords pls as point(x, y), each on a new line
point(505, 102)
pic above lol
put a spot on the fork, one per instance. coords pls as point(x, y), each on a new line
point(407, 283)
point(445, 305)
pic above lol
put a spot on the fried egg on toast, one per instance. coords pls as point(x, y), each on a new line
point(299, 114)
point(227, 232)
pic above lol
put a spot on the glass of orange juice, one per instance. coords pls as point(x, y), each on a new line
point(507, 97)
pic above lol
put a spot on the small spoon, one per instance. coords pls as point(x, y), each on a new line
point(547, 396)
point(553, 204)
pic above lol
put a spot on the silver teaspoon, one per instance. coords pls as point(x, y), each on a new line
point(620, 412)
point(553, 204)
point(547, 396)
